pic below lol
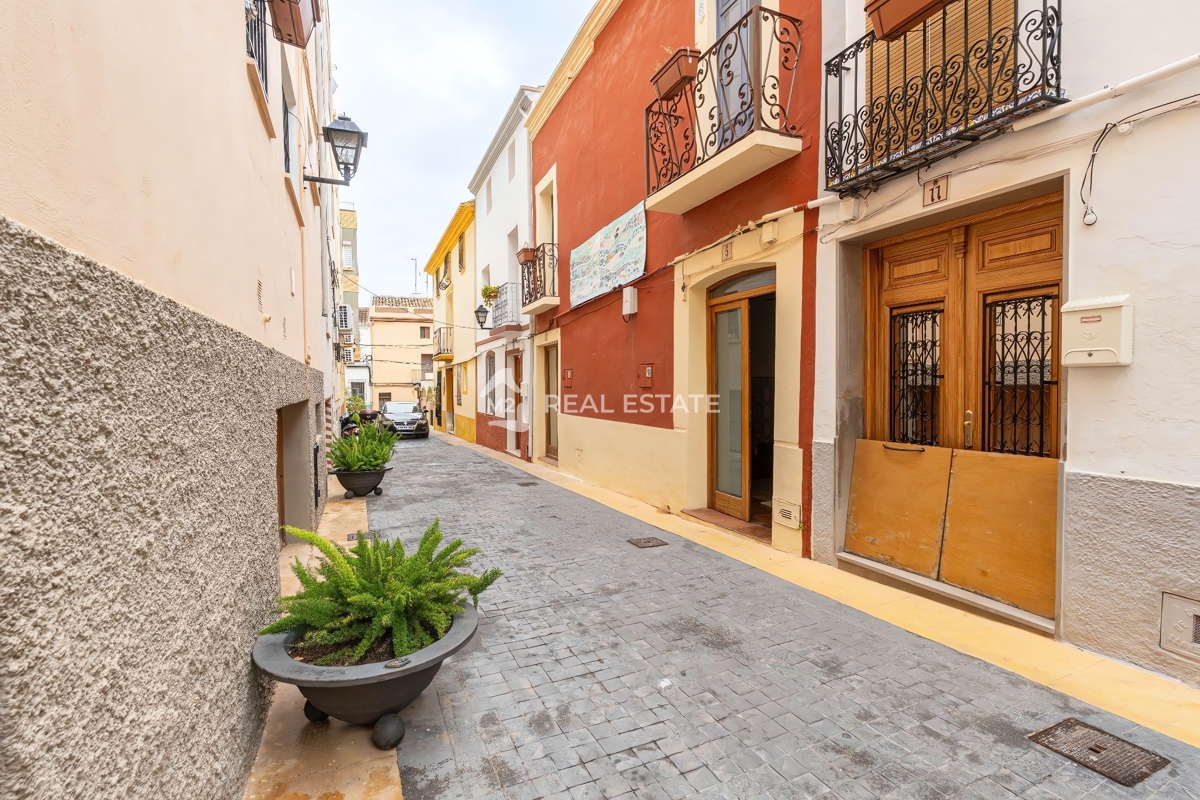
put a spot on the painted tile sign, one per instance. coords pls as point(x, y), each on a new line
point(613, 257)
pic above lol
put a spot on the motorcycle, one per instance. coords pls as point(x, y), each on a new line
point(351, 423)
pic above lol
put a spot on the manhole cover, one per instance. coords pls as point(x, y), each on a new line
point(1114, 758)
point(649, 541)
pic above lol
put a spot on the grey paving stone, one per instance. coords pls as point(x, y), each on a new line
point(605, 672)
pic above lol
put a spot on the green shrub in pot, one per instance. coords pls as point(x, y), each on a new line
point(374, 591)
point(369, 450)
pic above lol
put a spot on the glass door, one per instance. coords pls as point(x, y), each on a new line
point(730, 378)
point(552, 402)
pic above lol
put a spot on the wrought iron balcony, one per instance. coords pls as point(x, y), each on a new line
point(539, 280)
point(743, 98)
point(443, 344)
point(964, 74)
point(506, 309)
point(256, 36)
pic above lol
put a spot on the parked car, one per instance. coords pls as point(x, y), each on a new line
point(407, 419)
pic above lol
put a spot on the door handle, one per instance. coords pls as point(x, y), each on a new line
point(969, 430)
point(887, 446)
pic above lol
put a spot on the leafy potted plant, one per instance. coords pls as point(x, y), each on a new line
point(891, 19)
point(679, 71)
point(370, 630)
point(360, 460)
point(490, 295)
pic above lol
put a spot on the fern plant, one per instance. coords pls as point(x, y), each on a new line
point(366, 451)
point(374, 590)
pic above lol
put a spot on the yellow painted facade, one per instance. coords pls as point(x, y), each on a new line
point(401, 334)
point(456, 295)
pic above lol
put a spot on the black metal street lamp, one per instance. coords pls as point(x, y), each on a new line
point(481, 317)
point(347, 141)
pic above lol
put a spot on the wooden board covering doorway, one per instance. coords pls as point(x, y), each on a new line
point(956, 479)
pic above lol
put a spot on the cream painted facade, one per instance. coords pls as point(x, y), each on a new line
point(186, 194)
point(152, 192)
point(456, 296)
point(1128, 477)
point(401, 335)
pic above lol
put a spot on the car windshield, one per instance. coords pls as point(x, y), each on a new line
point(401, 408)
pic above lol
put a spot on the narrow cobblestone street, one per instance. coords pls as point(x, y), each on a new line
point(606, 671)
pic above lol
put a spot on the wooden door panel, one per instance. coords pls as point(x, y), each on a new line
point(1001, 528)
point(898, 504)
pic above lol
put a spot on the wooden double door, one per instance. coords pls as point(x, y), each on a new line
point(956, 477)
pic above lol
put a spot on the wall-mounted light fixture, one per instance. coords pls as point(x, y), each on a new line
point(481, 315)
point(347, 141)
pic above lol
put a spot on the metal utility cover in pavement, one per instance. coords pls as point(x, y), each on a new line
point(1112, 757)
point(649, 541)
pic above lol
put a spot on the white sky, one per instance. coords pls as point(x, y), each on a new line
point(430, 83)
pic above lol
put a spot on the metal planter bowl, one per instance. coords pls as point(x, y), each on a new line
point(360, 484)
point(362, 695)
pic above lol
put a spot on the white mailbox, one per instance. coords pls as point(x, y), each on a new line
point(1097, 332)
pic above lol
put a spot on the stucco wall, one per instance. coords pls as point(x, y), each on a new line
point(138, 532)
point(1126, 542)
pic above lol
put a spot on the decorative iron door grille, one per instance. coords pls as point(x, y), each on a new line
point(963, 74)
point(745, 82)
point(916, 376)
point(1020, 386)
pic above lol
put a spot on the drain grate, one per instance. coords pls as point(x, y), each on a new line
point(527, 483)
point(1112, 757)
point(649, 541)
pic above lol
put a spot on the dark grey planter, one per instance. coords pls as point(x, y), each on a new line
point(360, 484)
point(364, 694)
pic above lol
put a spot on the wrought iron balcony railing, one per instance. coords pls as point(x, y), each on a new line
point(539, 277)
point(745, 82)
point(256, 36)
point(966, 73)
point(506, 309)
point(443, 341)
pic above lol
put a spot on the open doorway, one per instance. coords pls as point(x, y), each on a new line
point(295, 475)
point(742, 378)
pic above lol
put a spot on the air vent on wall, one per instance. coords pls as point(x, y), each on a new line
point(785, 513)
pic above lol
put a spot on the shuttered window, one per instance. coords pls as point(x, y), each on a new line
point(957, 65)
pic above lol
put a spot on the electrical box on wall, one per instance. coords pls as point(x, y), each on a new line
point(785, 513)
point(629, 301)
point(1180, 631)
point(645, 376)
point(568, 378)
point(1098, 332)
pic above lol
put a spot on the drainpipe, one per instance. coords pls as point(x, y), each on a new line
point(1109, 92)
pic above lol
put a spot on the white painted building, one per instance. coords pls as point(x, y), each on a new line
point(503, 225)
point(950, 298)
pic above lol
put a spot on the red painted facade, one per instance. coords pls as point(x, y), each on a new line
point(595, 140)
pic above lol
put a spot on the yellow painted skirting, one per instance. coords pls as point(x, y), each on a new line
point(1154, 701)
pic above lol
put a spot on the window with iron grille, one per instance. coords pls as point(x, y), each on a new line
point(1020, 386)
point(916, 376)
point(348, 355)
point(358, 389)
